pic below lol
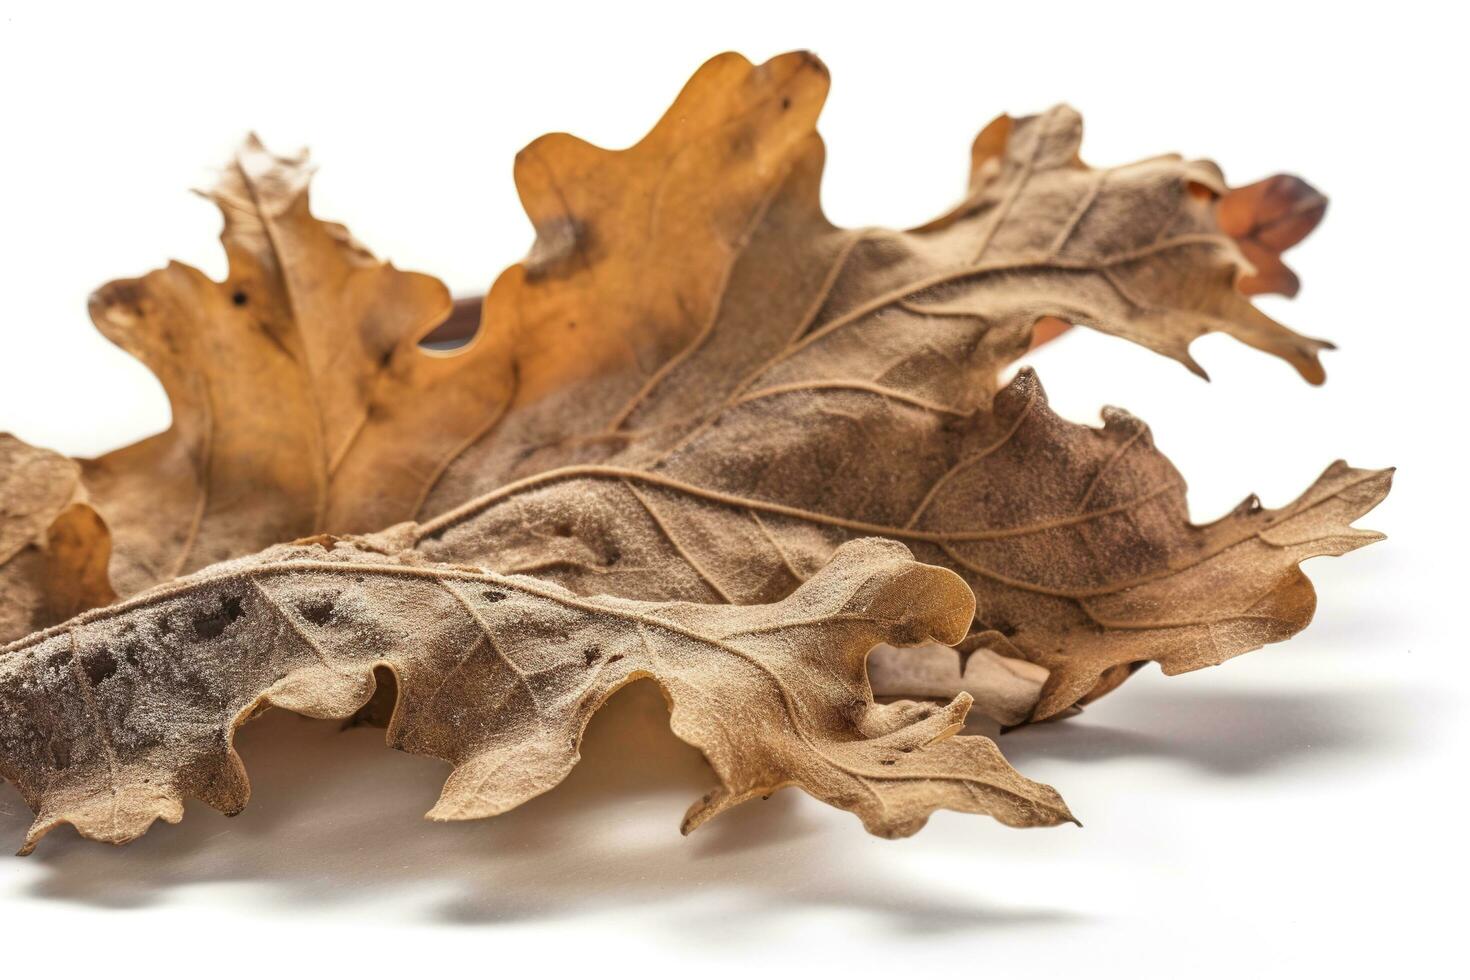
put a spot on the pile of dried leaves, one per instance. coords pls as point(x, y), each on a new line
point(700, 435)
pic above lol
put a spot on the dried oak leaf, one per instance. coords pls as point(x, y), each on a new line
point(845, 383)
point(269, 375)
point(109, 722)
point(303, 402)
point(831, 384)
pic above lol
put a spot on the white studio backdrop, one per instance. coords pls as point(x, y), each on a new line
point(1294, 812)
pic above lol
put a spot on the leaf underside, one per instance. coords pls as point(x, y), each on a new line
point(110, 721)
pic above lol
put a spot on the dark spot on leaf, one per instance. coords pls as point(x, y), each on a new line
point(209, 625)
point(493, 595)
point(99, 666)
point(615, 658)
point(785, 104)
point(562, 529)
point(165, 625)
point(908, 749)
point(590, 655)
point(886, 762)
point(317, 611)
point(239, 299)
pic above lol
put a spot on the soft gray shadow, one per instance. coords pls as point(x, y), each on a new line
point(1222, 731)
point(335, 816)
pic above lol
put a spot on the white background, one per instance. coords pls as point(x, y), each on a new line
point(1294, 812)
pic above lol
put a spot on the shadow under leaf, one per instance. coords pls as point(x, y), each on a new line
point(336, 819)
point(1218, 730)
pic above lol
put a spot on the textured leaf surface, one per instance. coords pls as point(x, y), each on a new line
point(110, 722)
point(1094, 566)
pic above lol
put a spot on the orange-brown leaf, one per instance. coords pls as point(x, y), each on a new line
point(53, 545)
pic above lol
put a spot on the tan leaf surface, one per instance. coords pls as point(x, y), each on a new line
point(1076, 541)
point(110, 722)
point(53, 545)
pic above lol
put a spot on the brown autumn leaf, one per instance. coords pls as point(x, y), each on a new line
point(633, 262)
point(303, 402)
point(831, 384)
point(1267, 218)
point(269, 375)
point(879, 352)
point(111, 721)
